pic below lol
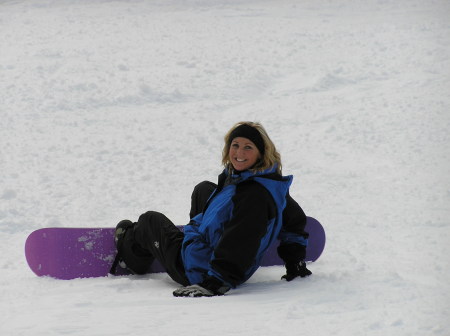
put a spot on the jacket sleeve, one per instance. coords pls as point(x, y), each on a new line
point(293, 236)
point(242, 234)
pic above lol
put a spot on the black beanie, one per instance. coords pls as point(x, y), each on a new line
point(251, 133)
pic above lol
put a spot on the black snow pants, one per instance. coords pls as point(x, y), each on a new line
point(155, 236)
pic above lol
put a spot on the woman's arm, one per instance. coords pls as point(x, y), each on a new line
point(294, 240)
point(293, 236)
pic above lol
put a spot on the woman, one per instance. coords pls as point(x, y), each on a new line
point(232, 223)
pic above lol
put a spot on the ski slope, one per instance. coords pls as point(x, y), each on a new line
point(112, 108)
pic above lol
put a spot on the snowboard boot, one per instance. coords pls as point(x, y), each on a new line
point(121, 228)
point(129, 254)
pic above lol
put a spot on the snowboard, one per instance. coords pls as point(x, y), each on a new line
point(69, 253)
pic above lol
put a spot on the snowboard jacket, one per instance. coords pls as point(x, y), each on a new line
point(241, 219)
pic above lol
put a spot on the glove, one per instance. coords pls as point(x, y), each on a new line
point(193, 291)
point(211, 286)
point(294, 270)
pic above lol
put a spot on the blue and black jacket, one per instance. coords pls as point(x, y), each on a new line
point(240, 221)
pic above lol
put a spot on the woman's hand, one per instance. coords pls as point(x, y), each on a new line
point(211, 286)
point(294, 270)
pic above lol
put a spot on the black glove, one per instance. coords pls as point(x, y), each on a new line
point(294, 270)
point(211, 286)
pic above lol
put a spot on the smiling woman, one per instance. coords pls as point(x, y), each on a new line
point(243, 154)
point(232, 223)
point(241, 142)
point(244, 146)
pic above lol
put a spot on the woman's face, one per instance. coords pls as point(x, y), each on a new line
point(243, 153)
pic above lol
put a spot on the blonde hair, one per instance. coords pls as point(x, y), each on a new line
point(270, 158)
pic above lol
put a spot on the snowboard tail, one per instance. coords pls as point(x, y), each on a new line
point(69, 253)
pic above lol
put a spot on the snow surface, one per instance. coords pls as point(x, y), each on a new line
point(112, 108)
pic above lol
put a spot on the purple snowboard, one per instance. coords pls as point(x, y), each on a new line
point(68, 253)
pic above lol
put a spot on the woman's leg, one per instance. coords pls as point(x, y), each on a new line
point(157, 235)
point(200, 196)
point(136, 260)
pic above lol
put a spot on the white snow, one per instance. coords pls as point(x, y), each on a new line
point(112, 108)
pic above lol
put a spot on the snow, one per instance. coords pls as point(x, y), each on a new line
point(112, 108)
